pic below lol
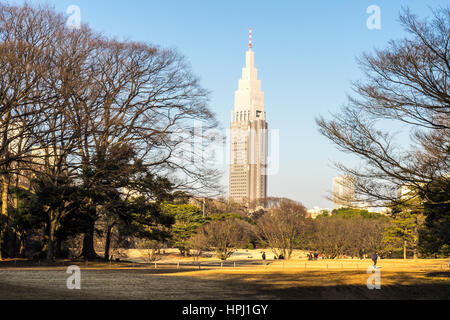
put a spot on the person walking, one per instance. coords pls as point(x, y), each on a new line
point(264, 256)
point(375, 259)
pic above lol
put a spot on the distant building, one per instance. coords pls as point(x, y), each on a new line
point(316, 211)
point(343, 192)
point(34, 158)
point(248, 156)
point(364, 206)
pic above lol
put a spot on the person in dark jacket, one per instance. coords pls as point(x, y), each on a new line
point(375, 259)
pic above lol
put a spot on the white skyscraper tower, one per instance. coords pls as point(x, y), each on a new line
point(248, 165)
point(343, 192)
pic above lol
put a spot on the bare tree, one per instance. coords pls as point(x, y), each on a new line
point(25, 33)
point(336, 236)
point(332, 237)
point(150, 250)
point(282, 226)
point(406, 83)
point(222, 236)
point(69, 97)
point(147, 98)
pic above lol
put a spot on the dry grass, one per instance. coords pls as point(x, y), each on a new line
point(346, 279)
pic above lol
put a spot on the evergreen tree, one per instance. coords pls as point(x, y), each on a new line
point(188, 218)
point(403, 233)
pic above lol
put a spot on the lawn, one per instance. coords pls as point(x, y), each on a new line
point(341, 279)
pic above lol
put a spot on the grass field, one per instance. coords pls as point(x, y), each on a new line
point(296, 279)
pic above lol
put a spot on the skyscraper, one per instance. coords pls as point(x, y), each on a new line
point(343, 192)
point(248, 157)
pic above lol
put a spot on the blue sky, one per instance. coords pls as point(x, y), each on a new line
point(305, 52)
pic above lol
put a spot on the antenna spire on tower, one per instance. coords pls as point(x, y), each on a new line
point(250, 39)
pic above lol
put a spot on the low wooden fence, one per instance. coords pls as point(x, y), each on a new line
point(331, 265)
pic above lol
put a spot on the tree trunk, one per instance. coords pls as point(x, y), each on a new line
point(11, 243)
point(3, 229)
point(5, 187)
point(51, 240)
point(108, 241)
point(404, 249)
point(88, 244)
point(15, 197)
point(22, 245)
point(58, 248)
point(2, 234)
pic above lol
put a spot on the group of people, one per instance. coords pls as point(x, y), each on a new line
point(314, 256)
point(280, 257)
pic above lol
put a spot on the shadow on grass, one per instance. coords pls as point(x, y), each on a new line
point(101, 264)
point(165, 284)
point(443, 274)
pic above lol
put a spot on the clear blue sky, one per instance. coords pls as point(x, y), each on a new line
point(305, 52)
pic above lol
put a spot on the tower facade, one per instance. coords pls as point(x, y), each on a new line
point(343, 192)
point(248, 163)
